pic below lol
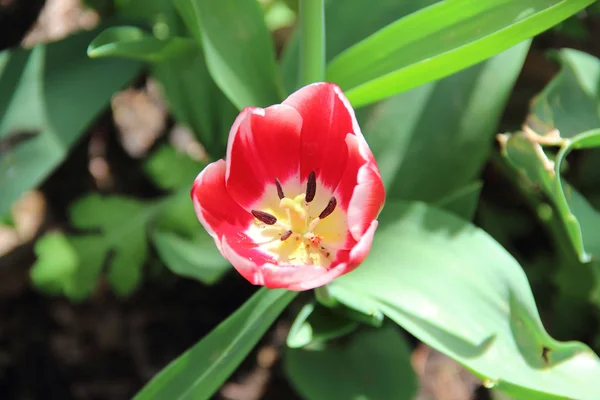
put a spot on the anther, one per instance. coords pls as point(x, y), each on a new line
point(279, 189)
point(329, 209)
point(264, 217)
point(311, 187)
point(286, 235)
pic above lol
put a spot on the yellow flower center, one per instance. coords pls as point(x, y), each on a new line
point(303, 230)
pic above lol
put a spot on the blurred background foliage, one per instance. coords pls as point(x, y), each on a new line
point(109, 109)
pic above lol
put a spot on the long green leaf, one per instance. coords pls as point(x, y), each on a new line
point(439, 40)
point(201, 370)
point(339, 15)
point(462, 202)
point(132, 42)
point(456, 289)
point(195, 99)
point(177, 63)
point(48, 97)
point(433, 140)
point(238, 47)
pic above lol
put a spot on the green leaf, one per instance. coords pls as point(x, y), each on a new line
point(525, 155)
point(574, 27)
point(104, 8)
point(177, 215)
point(278, 15)
point(22, 127)
point(160, 14)
point(452, 286)
point(202, 369)
point(577, 216)
point(192, 96)
point(585, 140)
point(7, 219)
point(170, 169)
point(434, 140)
point(195, 100)
point(374, 364)
point(570, 219)
point(133, 42)
point(571, 101)
point(339, 15)
point(316, 324)
point(581, 219)
point(122, 235)
point(238, 47)
point(463, 202)
point(114, 234)
point(351, 305)
point(48, 97)
point(439, 40)
point(56, 263)
point(197, 259)
point(179, 66)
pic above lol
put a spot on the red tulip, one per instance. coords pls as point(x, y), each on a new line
point(295, 202)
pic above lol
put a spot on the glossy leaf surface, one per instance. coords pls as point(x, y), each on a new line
point(459, 291)
point(439, 40)
point(201, 370)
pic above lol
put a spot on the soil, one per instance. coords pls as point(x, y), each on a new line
point(107, 348)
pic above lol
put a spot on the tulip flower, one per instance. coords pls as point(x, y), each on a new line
point(294, 204)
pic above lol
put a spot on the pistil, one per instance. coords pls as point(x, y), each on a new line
point(296, 211)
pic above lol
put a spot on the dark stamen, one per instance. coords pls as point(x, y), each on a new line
point(329, 209)
point(311, 187)
point(286, 235)
point(264, 217)
point(279, 189)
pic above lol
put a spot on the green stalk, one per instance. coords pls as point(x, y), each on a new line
point(312, 41)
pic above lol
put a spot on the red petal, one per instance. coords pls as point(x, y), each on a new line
point(216, 209)
point(348, 181)
point(362, 248)
point(367, 200)
point(246, 259)
point(264, 144)
point(327, 118)
point(290, 276)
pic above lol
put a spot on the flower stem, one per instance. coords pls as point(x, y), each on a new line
point(312, 41)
